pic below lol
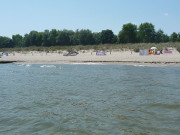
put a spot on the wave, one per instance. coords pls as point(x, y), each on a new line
point(20, 65)
point(149, 65)
point(167, 106)
point(27, 65)
point(48, 66)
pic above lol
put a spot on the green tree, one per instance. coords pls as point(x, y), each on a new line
point(128, 34)
point(63, 38)
point(26, 40)
point(159, 36)
point(165, 38)
point(53, 36)
point(174, 37)
point(34, 38)
point(45, 38)
point(146, 33)
point(17, 40)
point(39, 39)
point(86, 37)
point(97, 38)
point(115, 39)
point(74, 39)
point(107, 36)
point(6, 42)
point(33, 35)
point(178, 37)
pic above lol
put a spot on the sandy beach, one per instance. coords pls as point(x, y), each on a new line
point(115, 57)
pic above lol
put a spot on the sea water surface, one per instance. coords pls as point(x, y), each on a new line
point(89, 99)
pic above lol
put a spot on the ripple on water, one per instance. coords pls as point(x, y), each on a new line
point(89, 99)
point(166, 106)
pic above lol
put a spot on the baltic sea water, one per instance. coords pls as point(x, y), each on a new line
point(89, 99)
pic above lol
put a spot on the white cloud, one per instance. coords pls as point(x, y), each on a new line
point(166, 14)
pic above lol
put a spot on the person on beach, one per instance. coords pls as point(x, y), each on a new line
point(161, 52)
point(150, 52)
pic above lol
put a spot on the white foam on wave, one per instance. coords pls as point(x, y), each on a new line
point(20, 65)
point(149, 65)
point(28, 65)
point(140, 65)
point(48, 66)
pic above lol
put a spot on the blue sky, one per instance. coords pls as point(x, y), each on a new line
point(23, 16)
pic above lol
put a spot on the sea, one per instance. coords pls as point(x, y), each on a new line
point(89, 99)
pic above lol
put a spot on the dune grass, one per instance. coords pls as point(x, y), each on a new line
point(106, 47)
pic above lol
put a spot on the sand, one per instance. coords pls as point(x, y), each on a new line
point(115, 57)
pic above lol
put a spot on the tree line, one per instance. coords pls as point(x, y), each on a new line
point(130, 33)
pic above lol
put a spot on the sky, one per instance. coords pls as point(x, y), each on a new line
point(23, 16)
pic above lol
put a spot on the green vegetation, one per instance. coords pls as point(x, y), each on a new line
point(131, 37)
point(106, 47)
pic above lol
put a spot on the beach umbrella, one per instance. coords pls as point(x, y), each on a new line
point(153, 48)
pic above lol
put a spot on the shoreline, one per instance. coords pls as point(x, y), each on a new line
point(115, 57)
point(7, 62)
point(96, 62)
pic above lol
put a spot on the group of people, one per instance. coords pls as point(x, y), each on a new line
point(3, 54)
point(155, 52)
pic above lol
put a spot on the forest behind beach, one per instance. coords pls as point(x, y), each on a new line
point(130, 33)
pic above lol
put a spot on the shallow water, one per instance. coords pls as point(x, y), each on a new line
point(89, 99)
